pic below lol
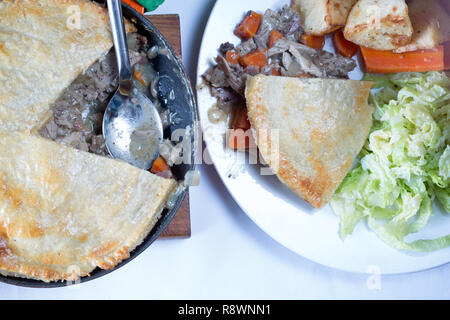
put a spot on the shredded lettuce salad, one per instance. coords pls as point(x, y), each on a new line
point(405, 163)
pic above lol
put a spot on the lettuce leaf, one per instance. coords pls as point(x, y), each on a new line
point(405, 163)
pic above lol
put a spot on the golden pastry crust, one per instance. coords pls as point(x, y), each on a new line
point(321, 124)
point(63, 212)
point(44, 46)
point(64, 209)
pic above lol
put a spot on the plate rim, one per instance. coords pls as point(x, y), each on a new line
point(199, 90)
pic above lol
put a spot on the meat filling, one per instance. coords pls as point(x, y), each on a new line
point(77, 115)
point(287, 57)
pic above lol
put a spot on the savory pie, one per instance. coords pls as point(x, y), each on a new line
point(309, 131)
point(63, 211)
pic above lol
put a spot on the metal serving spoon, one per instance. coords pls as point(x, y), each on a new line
point(132, 126)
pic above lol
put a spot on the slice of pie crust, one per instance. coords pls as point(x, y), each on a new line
point(309, 131)
point(65, 212)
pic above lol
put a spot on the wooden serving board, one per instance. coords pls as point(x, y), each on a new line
point(169, 26)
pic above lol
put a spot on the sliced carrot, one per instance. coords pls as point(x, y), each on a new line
point(274, 36)
point(138, 75)
point(239, 139)
point(249, 25)
point(447, 55)
point(232, 57)
point(136, 6)
point(161, 168)
point(344, 47)
point(256, 58)
point(417, 61)
point(315, 42)
point(160, 165)
point(240, 119)
point(239, 136)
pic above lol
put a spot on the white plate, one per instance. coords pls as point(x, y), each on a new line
point(274, 208)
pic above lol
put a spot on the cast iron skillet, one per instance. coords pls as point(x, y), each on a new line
point(184, 105)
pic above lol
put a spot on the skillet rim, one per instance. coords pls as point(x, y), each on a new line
point(142, 23)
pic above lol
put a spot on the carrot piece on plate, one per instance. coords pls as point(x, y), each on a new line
point(232, 57)
point(315, 42)
point(274, 36)
point(342, 46)
point(249, 25)
point(161, 168)
point(239, 136)
point(416, 61)
point(239, 139)
point(136, 6)
point(240, 119)
point(256, 58)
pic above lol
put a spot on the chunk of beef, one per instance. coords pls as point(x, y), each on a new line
point(290, 25)
point(246, 47)
point(287, 21)
point(234, 74)
point(216, 77)
point(318, 63)
point(334, 65)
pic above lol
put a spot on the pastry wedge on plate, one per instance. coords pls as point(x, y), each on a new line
point(309, 131)
point(63, 212)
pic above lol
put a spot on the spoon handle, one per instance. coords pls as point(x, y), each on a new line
point(120, 46)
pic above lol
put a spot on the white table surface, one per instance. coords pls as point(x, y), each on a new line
point(228, 256)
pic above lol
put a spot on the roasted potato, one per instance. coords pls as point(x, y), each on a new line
point(431, 23)
point(320, 17)
point(379, 24)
